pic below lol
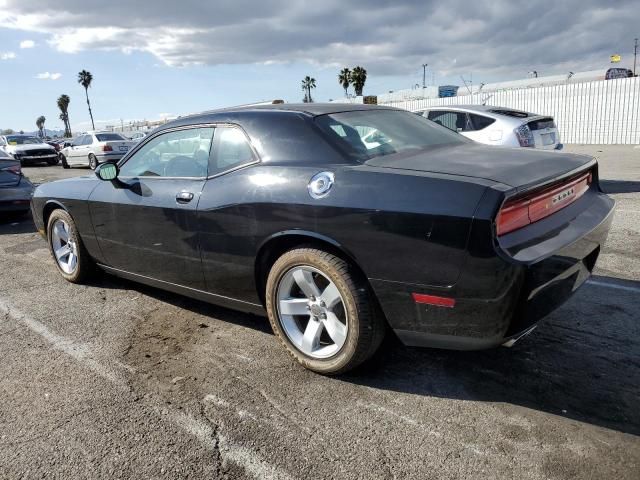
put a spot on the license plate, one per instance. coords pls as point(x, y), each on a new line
point(124, 149)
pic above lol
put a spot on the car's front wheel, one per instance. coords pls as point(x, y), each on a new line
point(63, 159)
point(67, 249)
point(53, 161)
point(322, 311)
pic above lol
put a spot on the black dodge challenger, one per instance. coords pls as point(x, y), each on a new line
point(340, 221)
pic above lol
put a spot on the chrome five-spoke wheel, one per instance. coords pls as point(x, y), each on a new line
point(67, 249)
point(312, 312)
point(321, 309)
point(64, 248)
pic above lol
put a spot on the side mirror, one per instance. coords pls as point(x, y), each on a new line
point(67, 144)
point(107, 171)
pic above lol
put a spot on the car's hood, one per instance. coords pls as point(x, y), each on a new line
point(26, 148)
point(515, 167)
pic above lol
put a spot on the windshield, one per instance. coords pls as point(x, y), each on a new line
point(109, 137)
point(367, 134)
point(22, 140)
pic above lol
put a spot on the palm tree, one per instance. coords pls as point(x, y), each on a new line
point(358, 79)
point(40, 124)
point(63, 105)
point(85, 78)
point(307, 84)
point(344, 79)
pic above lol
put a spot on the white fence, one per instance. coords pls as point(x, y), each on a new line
point(598, 112)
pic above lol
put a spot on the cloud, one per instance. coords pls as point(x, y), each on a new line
point(485, 37)
point(48, 76)
point(7, 55)
point(27, 44)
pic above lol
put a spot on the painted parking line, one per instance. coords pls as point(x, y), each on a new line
point(615, 286)
point(250, 461)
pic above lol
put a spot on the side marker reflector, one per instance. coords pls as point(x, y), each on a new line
point(434, 300)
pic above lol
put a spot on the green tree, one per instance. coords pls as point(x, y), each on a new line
point(344, 79)
point(8, 131)
point(307, 84)
point(40, 124)
point(358, 79)
point(63, 105)
point(85, 78)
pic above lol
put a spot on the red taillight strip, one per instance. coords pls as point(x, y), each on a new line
point(524, 211)
point(17, 169)
point(434, 300)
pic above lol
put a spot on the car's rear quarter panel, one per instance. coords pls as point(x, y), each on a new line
point(397, 227)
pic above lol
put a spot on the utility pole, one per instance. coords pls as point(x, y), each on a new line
point(424, 72)
point(635, 54)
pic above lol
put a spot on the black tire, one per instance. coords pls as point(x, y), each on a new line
point(93, 161)
point(85, 265)
point(53, 161)
point(63, 159)
point(365, 325)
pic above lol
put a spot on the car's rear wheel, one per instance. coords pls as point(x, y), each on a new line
point(93, 161)
point(322, 311)
point(63, 159)
point(67, 249)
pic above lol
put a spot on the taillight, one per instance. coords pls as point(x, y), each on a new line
point(107, 148)
point(524, 135)
point(17, 169)
point(523, 211)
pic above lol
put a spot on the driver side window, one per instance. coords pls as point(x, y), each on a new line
point(182, 153)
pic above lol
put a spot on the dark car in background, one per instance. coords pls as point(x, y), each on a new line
point(618, 72)
point(339, 221)
point(15, 189)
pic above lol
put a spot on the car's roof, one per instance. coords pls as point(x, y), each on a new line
point(474, 108)
point(246, 111)
point(311, 109)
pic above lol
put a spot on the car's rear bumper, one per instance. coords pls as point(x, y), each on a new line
point(110, 156)
point(527, 287)
point(16, 198)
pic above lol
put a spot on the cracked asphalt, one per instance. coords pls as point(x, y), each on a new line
point(118, 380)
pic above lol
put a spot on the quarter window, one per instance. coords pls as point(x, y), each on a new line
point(231, 149)
point(182, 153)
point(479, 121)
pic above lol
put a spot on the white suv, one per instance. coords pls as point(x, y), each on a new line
point(498, 126)
point(94, 148)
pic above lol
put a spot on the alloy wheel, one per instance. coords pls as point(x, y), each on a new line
point(312, 312)
point(65, 249)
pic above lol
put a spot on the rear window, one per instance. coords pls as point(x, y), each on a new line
point(372, 133)
point(109, 137)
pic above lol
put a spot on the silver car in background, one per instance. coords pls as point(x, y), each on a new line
point(92, 149)
point(28, 149)
point(498, 126)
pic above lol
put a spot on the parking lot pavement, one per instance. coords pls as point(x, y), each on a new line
point(118, 380)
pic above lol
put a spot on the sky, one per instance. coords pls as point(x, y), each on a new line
point(159, 58)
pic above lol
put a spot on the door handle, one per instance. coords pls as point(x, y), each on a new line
point(184, 197)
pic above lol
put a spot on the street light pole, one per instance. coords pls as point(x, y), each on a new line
point(424, 72)
point(635, 54)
